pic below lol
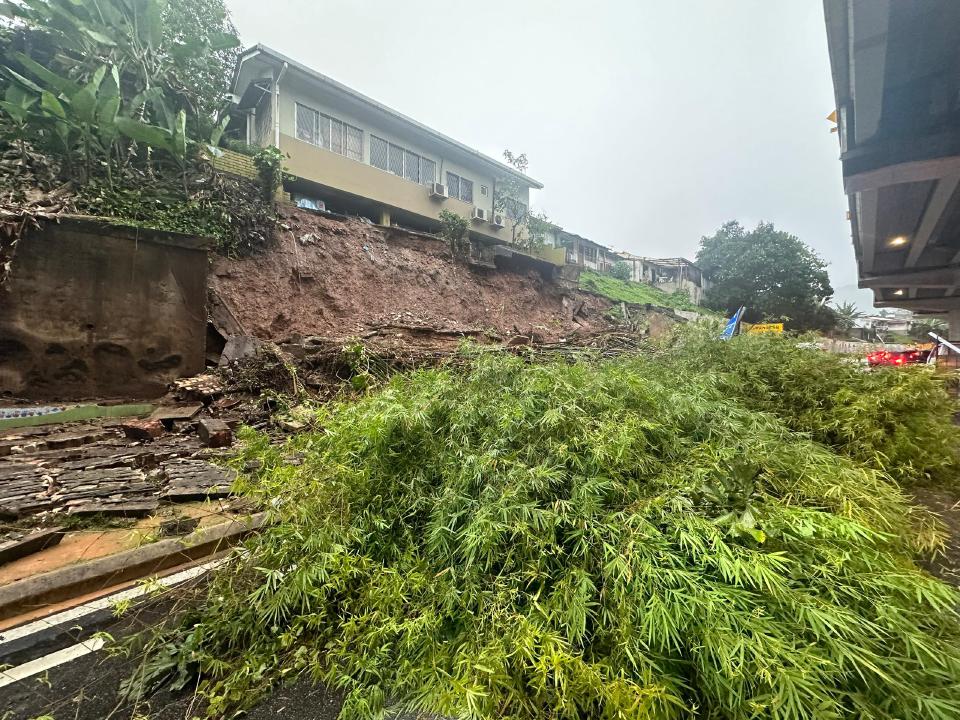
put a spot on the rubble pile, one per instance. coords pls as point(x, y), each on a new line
point(112, 468)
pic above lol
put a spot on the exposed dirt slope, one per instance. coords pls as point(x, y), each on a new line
point(346, 278)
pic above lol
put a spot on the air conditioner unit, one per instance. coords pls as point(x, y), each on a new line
point(438, 190)
point(479, 214)
point(497, 219)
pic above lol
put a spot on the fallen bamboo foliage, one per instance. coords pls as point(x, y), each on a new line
point(618, 538)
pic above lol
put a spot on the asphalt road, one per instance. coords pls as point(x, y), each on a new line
point(55, 668)
point(86, 689)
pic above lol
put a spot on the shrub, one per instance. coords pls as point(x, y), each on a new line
point(610, 539)
point(453, 229)
point(269, 164)
point(621, 271)
point(899, 420)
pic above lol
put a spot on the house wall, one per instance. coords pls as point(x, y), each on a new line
point(360, 178)
point(93, 310)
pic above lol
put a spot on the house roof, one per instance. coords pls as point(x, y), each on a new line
point(377, 107)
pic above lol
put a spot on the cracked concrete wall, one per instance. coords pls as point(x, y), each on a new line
point(94, 310)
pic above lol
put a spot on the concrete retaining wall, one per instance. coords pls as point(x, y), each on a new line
point(93, 309)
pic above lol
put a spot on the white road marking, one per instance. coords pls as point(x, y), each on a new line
point(35, 667)
point(104, 603)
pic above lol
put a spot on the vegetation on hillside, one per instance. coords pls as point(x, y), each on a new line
point(620, 290)
point(638, 537)
point(115, 108)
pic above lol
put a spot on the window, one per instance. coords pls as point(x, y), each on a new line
point(306, 124)
point(379, 152)
point(589, 253)
point(483, 190)
point(411, 166)
point(335, 135)
point(396, 160)
point(400, 161)
point(428, 171)
point(459, 188)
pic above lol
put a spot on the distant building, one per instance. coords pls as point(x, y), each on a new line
point(869, 326)
point(668, 274)
point(581, 251)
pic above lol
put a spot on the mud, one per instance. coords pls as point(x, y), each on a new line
point(344, 278)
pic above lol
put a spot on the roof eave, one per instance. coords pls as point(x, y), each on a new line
point(261, 49)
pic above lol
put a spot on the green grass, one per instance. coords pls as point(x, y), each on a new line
point(634, 292)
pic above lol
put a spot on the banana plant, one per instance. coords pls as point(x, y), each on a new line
point(82, 118)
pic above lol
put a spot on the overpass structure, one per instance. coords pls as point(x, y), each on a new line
point(896, 77)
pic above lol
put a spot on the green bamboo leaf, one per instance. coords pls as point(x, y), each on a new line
point(107, 118)
point(17, 112)
point(180, 135)
point(152, 23)
point(218, 131)
point(21, 81)
point(16, 94)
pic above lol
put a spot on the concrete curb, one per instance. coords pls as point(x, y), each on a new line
point(62, 584)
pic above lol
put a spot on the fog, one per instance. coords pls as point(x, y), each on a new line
point(649, 123)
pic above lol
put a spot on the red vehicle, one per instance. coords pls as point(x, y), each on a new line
point(898, 357)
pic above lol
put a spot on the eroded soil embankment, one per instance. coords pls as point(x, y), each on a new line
point(343, 278)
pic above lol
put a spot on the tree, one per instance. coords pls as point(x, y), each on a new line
point(847, 315)
point(773, 273)
point(621, 271)
point(528, 229)
point(453, 229)
point(202, 81)
point(920, 328)
point(83, 74)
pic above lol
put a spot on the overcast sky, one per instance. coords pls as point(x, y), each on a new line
point(650, 123)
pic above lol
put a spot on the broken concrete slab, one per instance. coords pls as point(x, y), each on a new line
point(32, 543)
point(215, 433)
point(136, 509)
point(169, 413)
point(65, 583)
point(239, 347)
point(192, 479)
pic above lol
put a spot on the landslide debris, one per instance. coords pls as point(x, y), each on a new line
point(625, 537)
point(342, 278)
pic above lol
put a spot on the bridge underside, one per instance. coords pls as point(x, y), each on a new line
point(896, 74)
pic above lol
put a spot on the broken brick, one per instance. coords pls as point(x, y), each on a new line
point(143, 429)
point(215, 433)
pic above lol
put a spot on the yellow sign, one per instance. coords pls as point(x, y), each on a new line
point(765, 328)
